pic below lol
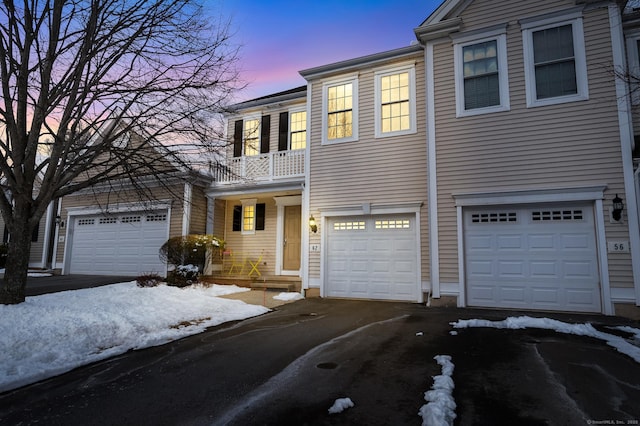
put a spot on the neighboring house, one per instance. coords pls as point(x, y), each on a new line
point(257, 198)
point(481, 163)
point(528, 145)
point(118, 227)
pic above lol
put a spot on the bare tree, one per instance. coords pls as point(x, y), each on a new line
point(82, 77)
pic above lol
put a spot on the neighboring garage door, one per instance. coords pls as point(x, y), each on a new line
point(119, 244)
point(541, 257)
point(372, 257)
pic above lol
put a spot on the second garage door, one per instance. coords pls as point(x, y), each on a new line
point(532, 257)
point(123, 244)
point(372, 257)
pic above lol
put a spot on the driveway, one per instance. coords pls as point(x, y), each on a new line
point(290, 365)
point(37, 285)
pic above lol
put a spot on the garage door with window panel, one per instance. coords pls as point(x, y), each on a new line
point(532, 257)
point(372, 257)
point(122, 244)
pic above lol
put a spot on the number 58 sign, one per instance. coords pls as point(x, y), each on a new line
point(618, 246)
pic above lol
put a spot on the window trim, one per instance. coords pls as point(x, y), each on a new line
point(248, 203)
point(259, 132)
point(353, 80)
point(528, 28)
point(411, 69)
point(500, 37)
point(306, 137)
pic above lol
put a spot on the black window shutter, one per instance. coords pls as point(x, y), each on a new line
point(260, 210)
point(283, 132)
point(265, 130)
point(5, 235)
point(237, 218)
point(237, 139)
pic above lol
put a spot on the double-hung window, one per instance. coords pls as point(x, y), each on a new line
point(340, 111)
point(251, 137)
point(555, 59)
point(395, 105)
point(482, 80)
point(249, 217)
point(298, 130)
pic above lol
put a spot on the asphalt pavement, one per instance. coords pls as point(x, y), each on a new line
point(288, 366)
point(37, 285)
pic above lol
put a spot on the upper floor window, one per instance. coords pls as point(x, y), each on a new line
point(251, 139)
point(482, 80)
point(395, 93)
point(251, 136)
point(298, 130)
point(340, 113)
point(555, 60)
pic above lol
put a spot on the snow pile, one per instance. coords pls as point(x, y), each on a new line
point(517, 323)
point(54, 333)
point(286, 296)
point(441, 407)
point(340, 405)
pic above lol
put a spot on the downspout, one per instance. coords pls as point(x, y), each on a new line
point(186, 209)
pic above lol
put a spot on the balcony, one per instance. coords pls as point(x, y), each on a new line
point(273, 166)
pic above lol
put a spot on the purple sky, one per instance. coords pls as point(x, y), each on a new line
point(280, 37)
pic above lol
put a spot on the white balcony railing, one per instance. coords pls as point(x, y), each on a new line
point(263, 167)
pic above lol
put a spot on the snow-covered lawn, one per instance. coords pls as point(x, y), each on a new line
point(50, 334)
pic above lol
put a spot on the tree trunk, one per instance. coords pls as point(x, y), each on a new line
point(15, 276)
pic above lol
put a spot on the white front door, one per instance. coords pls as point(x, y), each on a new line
point(372, 257)
point(532, 257)
point(119, 244)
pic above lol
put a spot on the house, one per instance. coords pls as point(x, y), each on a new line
point(257, 199)
point(490, 163)
point(529, 142)
point(117, 227)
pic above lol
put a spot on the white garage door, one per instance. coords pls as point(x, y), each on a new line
point(540, 257)
point(372, 257)
point(122, 244)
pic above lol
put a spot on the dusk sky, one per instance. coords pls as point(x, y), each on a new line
point(281, 37)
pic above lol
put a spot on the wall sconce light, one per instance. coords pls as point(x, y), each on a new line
point(59, 221)
point(618, 206)
point(313, 225)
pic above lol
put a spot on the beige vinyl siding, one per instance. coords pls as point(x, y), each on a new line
point(379, 171)
point(103, 200)
point(570, 144)
point(198, 222)
point(261, 242)
point(219, 218)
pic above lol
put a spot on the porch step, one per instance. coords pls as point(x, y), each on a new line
point(267, 283)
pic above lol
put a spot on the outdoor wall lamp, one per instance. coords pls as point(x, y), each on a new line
point(618, 206)
point(313, 225)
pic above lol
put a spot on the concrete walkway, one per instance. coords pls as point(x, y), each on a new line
point(259, 297)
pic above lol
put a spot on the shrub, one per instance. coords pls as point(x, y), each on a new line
point(183, 276)
point(191, 249)
point(149, 280)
